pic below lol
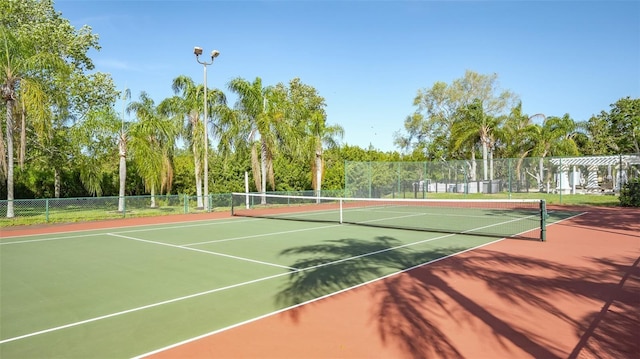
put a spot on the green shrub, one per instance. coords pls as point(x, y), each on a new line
point(630, 194)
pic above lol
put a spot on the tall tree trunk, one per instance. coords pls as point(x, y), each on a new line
point(540, 173)
point(491, 164)
point(318, 171)
point(255, 167)
point(153, 197)
point(521, 175)
point(122, 146)
point(484, 160)
point(9, 104)
point(56, 183)
point(263, 169)
point(474, 166)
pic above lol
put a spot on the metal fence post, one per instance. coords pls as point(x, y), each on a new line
point(509, 174)
point(543, 220)
point(185, 203)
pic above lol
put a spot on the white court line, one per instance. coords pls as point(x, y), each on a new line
point(247, 283)
point(118, 227)
point(440, 214)
point(156, 228)
point(260, 235)
point(201, 251)
point(298, 230)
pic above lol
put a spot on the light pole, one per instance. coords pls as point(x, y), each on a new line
point(198, 51)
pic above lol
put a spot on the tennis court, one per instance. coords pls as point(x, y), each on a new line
point(130, 291)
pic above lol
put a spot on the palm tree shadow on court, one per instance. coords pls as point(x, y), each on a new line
point(406, 305)
point(609, 220)
point(614, 329)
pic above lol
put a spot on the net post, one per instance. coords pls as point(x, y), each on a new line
point(340, 210)
point(543, 220)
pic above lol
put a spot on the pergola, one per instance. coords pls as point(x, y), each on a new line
point(619, 162)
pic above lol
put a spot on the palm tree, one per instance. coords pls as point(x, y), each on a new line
point(185, 106)
point(463, 141)
point(152, 143)
point(518, 137)
point(92, 149)
point(122, 153)
point(321, 136)
point(260, 120)
point(23, 95)
point(554, 138)
point(306, 108)
point(473, 125)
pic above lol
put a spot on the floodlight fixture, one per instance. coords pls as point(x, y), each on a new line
point(197, 51)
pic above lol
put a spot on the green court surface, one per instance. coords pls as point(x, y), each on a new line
point(121, 293)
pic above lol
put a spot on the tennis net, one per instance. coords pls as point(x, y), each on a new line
point(515, 218)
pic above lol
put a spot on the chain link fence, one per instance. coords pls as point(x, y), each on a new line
point(67, 210)
point(498, 177)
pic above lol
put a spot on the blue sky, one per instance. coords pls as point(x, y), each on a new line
point(369, 58)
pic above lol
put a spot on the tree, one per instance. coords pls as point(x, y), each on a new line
point(39, 49)
point(152, 144)
point(96, 154)
point(306, 108)
point(186, 105)
point(554, 138)
point(518, 136)
point(616, 131)
point(430, 126)
point(75, 99)
point(260, 120)
point(122, 153)
point(625, 122)
point(473, 126)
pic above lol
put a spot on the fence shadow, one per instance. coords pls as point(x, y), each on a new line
point(405, 304)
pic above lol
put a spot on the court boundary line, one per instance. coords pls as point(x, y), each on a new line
point(211, 291)
point(202, 251)
point(111, 228)
point(213, 222)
